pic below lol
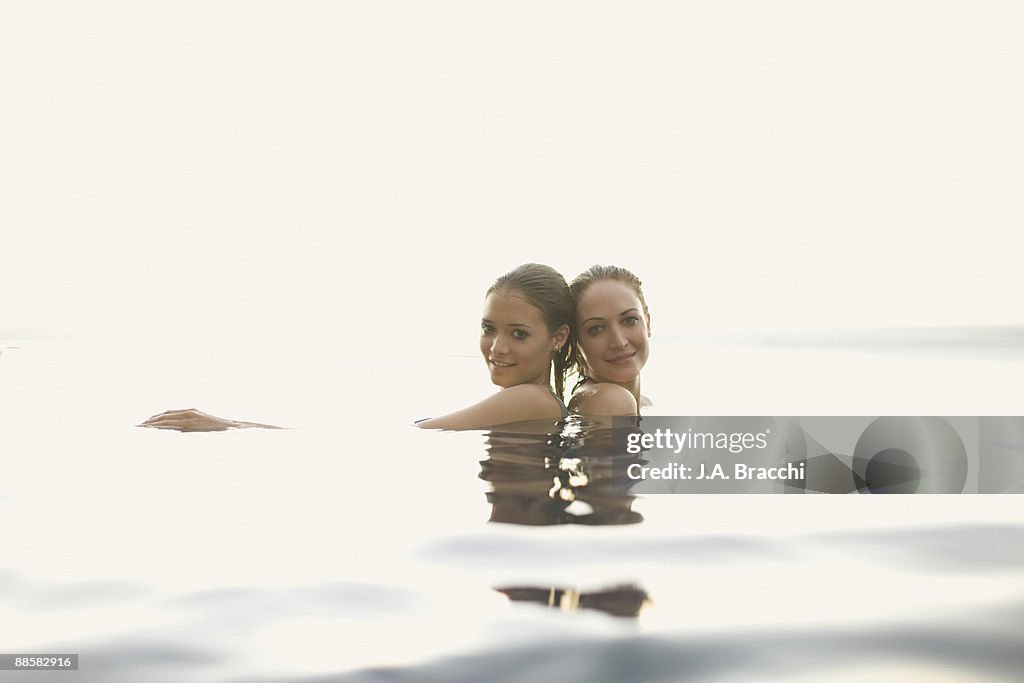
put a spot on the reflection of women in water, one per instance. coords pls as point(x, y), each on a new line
point(526, 339)
point(613, 329)
point(540, 480)
point(627, 600)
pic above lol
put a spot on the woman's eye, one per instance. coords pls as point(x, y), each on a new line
point(520, 334)
point(486, 329)
point(630, 321)
point(595, 330)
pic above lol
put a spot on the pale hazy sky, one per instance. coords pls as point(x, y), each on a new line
point(255, 168)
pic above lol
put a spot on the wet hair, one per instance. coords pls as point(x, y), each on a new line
point(579, 285)
point(545, 289)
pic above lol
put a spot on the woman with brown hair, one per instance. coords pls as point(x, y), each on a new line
point(613, 331)
point(526, 338)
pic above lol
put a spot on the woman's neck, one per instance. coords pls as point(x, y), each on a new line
point(540, 380)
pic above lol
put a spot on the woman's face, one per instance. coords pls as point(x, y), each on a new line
point(515, 341)
point(613, 331)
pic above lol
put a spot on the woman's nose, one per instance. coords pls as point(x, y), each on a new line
point(618, 340)
point(499, 345)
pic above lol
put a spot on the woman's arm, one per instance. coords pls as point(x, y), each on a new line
point(603, 399)
point(192, 420)
point(515, 404)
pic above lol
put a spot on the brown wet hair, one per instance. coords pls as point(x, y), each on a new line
point(545, 289)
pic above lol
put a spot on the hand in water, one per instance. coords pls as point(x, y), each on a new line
point(192, 420)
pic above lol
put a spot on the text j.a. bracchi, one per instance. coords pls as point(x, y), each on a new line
point(715, 472)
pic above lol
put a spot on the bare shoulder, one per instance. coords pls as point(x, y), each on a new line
point(603, 399)
point(515, 404)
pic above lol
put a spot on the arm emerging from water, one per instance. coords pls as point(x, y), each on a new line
point(192, 420)
point(520, 403)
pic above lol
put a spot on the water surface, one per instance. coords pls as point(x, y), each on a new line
point(356, 547)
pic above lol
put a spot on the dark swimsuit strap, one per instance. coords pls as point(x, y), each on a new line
point(561, 404)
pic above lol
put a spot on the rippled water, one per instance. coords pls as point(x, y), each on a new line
point(355, 547)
